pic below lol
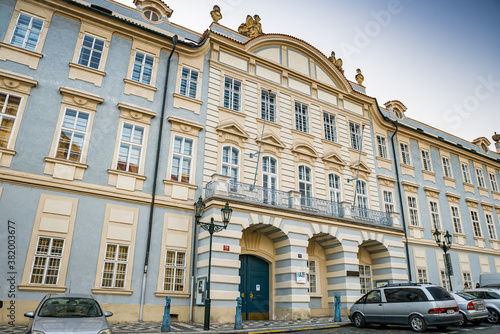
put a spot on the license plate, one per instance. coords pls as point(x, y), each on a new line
point(450, 311)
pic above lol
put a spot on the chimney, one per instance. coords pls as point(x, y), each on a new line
point(496, 138)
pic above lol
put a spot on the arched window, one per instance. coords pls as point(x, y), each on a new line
point(335, 187)
point(231, 164)
point(151, 15)
point(305, 185)
point(269, 179)
point(362, 198)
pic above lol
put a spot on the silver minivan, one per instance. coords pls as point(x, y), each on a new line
point(414, 304)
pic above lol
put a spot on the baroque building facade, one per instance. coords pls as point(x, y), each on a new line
point(115, 120)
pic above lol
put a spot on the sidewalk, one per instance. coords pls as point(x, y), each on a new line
point(249, 326)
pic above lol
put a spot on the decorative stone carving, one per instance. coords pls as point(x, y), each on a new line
point(337, 62)
point(216, 14)
point(252, 27)
point(359, 77)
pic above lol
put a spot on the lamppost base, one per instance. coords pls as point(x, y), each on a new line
point(206, 323)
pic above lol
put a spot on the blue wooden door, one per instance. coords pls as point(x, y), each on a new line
point(254, 288)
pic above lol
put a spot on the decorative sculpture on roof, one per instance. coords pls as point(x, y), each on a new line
point(337, 62)
point(216, 14)
point(252, 27)
point(359, 77)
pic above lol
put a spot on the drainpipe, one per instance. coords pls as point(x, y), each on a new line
point(396, 124)
point(157, 162)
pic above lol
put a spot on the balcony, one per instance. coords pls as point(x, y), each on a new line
point(223, 186)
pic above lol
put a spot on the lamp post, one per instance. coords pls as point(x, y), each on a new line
point(445, 245)
point(211, 228)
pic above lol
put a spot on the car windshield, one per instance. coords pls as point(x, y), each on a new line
point(64, 307)
point(466, 296)
point(439, 293)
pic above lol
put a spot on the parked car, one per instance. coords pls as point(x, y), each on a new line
point(68, 313)
point(414, 304)
point(472, 309)
point(491, 298)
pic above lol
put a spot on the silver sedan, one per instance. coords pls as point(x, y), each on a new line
point(491, 298)
point(472, 309)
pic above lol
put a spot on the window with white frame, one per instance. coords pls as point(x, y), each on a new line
point(312, 277)
point(436, 223)
point(232, 94)
point(388, 201)
point(301, 117)
point(413, 209)
point(493, 182)
point(362, 194)
point(422, 275)
point(330, 127)
point(231, 162)
point(305, 185)
point(355, 135)
point(151, 14)
point(405, 154)
point(47, 261)
point(466, 173)
point(467, 278)
point(175, 271)
point(455, 216)
point(91, 52)
point(365, 278)
point(491, 226)
point(189, 82)
point(445, 282)
point(269, 179)
point(72, 135)
point(426, 160)
point(27, 32)
point(447, 167)
point(181, 159)
point(381, 147)
point(143, 68)
point(475, 223)
point(268, 105)
point(131, 143)
point(9, 107)
point(114, 272)
point(480, 178)
point(335, 187)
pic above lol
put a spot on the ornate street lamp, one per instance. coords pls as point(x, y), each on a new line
point(211, 228)
point(445, 245)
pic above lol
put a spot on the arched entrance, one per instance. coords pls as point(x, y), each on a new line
point(254, 287)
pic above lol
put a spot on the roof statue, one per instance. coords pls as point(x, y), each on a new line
point(337, 62)
point(496, 137)
point(359, 77)
point(216, 14)
point(252, 27)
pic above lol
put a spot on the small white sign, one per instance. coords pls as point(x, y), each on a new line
point(301, 277)
point(257, 287)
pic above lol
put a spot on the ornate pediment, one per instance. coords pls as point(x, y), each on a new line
point(270, 138)
point(305, 149)
point(333, 158)
point(362, 167)
point(230, 131)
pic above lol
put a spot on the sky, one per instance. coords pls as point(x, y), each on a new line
point(440, 58)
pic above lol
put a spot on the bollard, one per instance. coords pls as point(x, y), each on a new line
point(238, 322)
point(337, 309)
point(165, 325)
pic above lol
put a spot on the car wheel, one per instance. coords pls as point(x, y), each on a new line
point(476, 322)
point(359, 320)
point(417, 324)
point(493, 316)
point(463, 320)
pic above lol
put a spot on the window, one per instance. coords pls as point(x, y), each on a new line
point(388, 201)
point(436, 224)
point(27, 32)
point(445, 282)
point(493, 182)
point(91, 52)
point(475, 224)
point(405, 154)
point(405, 295)
point(115, 266)
point(413, 208)
point(230, 162)
point(269, 179)
point(381, 147)
point(362, 194)
point(301, 117)
point(72, 135)
point(373, 297)
point(143, 67)
point(491, 227)
point(47, 261)
point(181, 159)
point(335, 187)
point(268, 105)
point(151, 15)
point(365, 278)
point(355, 133)
point(467, 279)
point(9, 107)
point(480, 178)
point(447, 167)
point(330, 127)
point(457, 224)
point(466, 173)
point(422, 275)
point(175, 269)
point(305, 185)
point(189, 82)
point(312, 276)
point(131, 142)
point(426, 160)
point(232, 94)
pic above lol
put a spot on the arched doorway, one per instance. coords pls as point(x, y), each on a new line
point(254, 288)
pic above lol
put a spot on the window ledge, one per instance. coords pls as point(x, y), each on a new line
point(234, 112)
point(140, 84)
point(493, 192)
point(182, 184)
point(384, 159)
point(269, 123)
point(86, 68)
point(428, 172)
point(407, 166)
point(66, 162)
point(111, 291)
point(329, 142)
point(482, 188)
point(172, 294)
point(129, 174)
point(353, 150)
point(187, 98)
point(6, 157)
point(479, 238)
point(446, 178)
point(19, 55)
point(41, 287)
point(21, 50)
point(301, 133)
point(459, 234)
point(416, 227)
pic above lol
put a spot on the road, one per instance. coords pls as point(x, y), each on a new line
point(485, 328)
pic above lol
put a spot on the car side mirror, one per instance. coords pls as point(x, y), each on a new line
point(108, 314)
point(29, 314)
